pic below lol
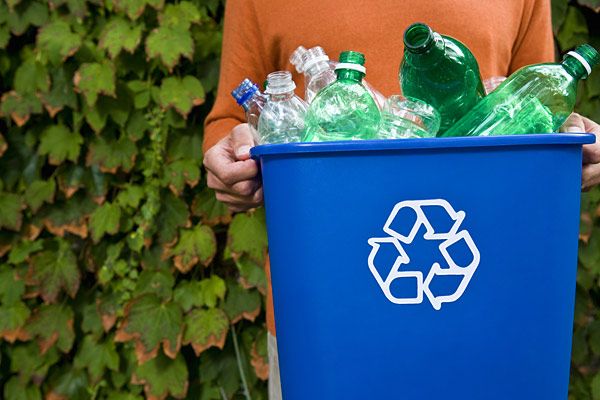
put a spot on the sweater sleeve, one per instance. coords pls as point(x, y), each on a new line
point(242, 57)
point(535, 41)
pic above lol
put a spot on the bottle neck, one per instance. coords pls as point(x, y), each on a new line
point(281, 96)
point(574, 68)
point(349, 75)
point(316, 68)
point(429, 54)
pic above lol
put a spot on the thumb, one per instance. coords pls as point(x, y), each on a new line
point(573, 124)
point(241, 141)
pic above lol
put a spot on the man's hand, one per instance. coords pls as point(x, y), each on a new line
point(591, 152)
point(231, 171)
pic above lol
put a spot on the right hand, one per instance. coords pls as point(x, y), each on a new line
point(232, 173)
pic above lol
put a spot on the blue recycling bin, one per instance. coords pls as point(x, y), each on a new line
point(422, 269)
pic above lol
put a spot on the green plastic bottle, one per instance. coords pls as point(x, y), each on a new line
point(535, 99)
point(344, 110)
point(441, 71)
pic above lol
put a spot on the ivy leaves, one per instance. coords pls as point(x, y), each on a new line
point(112, 249)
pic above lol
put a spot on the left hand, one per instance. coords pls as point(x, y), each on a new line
point(591, 152)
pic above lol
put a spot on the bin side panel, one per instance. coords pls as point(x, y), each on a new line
point(508, 334)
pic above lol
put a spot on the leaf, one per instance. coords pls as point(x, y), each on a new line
point(30, 77)
point(69, 216)
point(173, 215)
point(259, 356)
point(21, 251)
point(130, 196)
point(180, 15)
point(180, 172)
point(52, 325)
point(111, 155)
point(197, 294)
point(181, 94)
point(195, 245)
point(20, 107)
point(3, 145)
point(96, 357)
point(93, 79)
point(150, 322)
point(593, 4)
point(137, 125)
point(54, 271)
point(61, 94)
point(4, 36)
point(241, 303)
point(16, 390)
point(247, 235)
point(205, 329)
point(159, 282)
point(169, 44)
point(40, 192)
point(211, 211)
point(91, 322)
point(185, 146)
point(573, 31)
point(12, 321)
point(105, 219)
point(31, 13)
point(27, 361)
point(57, 41)
point(118, 34)
point(559, 11)
point(10, 211)
point(135, 8)
point(68, 383)
point(595, 387)
point(252, 275)
point(11, 288)
point(60, 144)
point(162, 377)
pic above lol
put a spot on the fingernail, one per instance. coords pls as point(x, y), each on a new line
point(242, 151)
point(573, 129)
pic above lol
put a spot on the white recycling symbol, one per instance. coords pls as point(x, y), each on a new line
point(399, 239)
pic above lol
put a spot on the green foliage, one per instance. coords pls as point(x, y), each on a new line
point(115, 276)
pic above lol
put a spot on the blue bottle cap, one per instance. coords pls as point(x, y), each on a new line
point(244, 91)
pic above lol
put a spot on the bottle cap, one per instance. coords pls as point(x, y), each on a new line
point(280, 82)
point(244, 91)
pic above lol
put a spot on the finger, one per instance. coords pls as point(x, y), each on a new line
point(240, 203)
point(241, 141)
point(590, 176)
point(573, 124)
point(242, 188)
point(591, 153)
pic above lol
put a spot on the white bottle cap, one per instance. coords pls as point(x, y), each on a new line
point(582, 60)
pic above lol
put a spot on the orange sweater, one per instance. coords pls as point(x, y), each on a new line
point(260, 35)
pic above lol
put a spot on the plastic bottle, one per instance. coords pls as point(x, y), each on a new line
point(344, 110)
point(282, 118)
point(403, 117)
point(535, 99)
point(248, 96)
point(319, 71)
point(441, 71)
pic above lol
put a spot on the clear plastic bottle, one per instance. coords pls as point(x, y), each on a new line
point(344, 110)
point(535, 99)
point(441, 71)
point(403, 117)
point(248, 96)
point(282, 118)
point(319, 72)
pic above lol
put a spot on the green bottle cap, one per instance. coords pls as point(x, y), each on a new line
point(418, 38)
point(587, 56)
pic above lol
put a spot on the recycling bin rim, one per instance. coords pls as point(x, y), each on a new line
point(423, 143)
